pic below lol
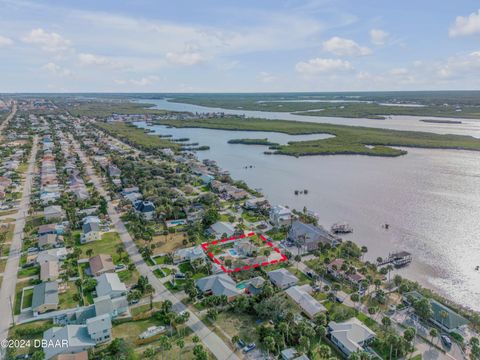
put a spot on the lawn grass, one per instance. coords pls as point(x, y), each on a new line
point(28, 272)
point(160, 260)
point(27, 298)
point(229, 324)
point(128, 277)
point(347, 139)
point(65, 300)
point(106, 245)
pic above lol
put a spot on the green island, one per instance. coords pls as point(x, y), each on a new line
point(263, 141)
point(107, 108)
point(347, 140)
point(371, 106)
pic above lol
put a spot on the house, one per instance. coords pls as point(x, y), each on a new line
point(100, 264)
point(446, 318)
point(45, 297)
point(206, 179)
point(350, 336)
point(53, 212)
point(47, 241)
point(220, 284)
point(56, 254)
point(255, 285)
point(78, 356)
point(145, 208)
point(280, 216)
point(49, 270)
point(309, 236)
point(334, 268)
point(282, 278)
point(110, 284)
point(91, 232)
point(245, 247)
point(73, 338)
point(113, 307)
point(301, 296)
point(114, 171)
point(188, 254)
point(221, 229)
point(47, 229)
point(292, 354)
point(100, 328)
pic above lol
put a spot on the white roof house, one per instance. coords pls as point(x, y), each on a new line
point(110, 284)
point(220, 284)
point(282, 278)
point(350, 336)
point(307, 302)
point(220, 228)
point(280, 215)
point(75, 337)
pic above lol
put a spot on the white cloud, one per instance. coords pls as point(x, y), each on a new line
point(4, 41)
point(460, 66)
point(56, 69)
point(144, 81)
point(379, 36)
point(319, 65)
point(185, 58)
point(466, 25)
point(266, 77)
point(345, 47)
point(51, 42)
point(92, 59)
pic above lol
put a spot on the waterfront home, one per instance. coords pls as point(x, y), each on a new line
point(255, 203)
point(350, 336)
point(54, 212)
point(188, 254)
point(301, 296)
point(310, 237)
point(280, 216)
point(282, 278)
point(220, 284)
point(334, 268)
point(49, 270)
point(75, 337)
point(45, 297)
point(91, 232)
point(110, 284)
point(145, 208)
point(442, 316)
point(222, 229)
point(206, 179)
point(101, 264)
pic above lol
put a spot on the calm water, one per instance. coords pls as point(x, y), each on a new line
point(430, 198)
point(467, 127)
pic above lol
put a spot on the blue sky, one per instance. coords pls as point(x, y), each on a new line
point(212, 45)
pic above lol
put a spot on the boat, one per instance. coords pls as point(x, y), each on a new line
point(152, 331)
point(341, 228)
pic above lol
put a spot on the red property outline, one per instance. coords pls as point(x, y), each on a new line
point(246, 267)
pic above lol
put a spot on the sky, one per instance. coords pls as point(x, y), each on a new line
point(238, 46)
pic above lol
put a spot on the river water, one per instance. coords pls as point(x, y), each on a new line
point(430, 198)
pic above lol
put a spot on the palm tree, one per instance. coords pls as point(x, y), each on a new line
point(180, 343)
point(433, 333)
point(89, 252)
point(324, 351)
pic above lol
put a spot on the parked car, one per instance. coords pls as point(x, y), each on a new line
point(339, 299)
point(446, 341)
point(241, 344)
point(249, 348)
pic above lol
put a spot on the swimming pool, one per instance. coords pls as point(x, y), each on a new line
point(232, 252)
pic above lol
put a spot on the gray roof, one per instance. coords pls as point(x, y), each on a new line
point(451, 321)
point(220, 284)
point(98, 324)
point(310, 233)
point(45, 293)
point(221, 227)
point(303, 299)
point(76, 335)
point(282, 277)
point(351, 333)
point(108, 283)
point(90, 227)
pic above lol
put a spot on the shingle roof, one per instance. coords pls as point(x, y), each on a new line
point(45, 293)
point(303, 299)
point(282, 277)
point(90, 227)
point(108, 283)
point(351, 333)
point(220, 284)
point(101, 262)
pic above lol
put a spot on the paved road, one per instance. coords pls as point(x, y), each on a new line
point(7, 292)
point(214, 343)
point(9, 117)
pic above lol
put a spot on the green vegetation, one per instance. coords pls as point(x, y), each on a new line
point(263, 141)
point(136, 137)
point(107, 108)
point(347, 140)
point(366, 105)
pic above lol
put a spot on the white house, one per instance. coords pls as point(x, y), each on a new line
point(280, 216)
point(110, 284)
point(350, 336)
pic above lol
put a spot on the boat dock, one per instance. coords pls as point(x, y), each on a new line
point(397, 259)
